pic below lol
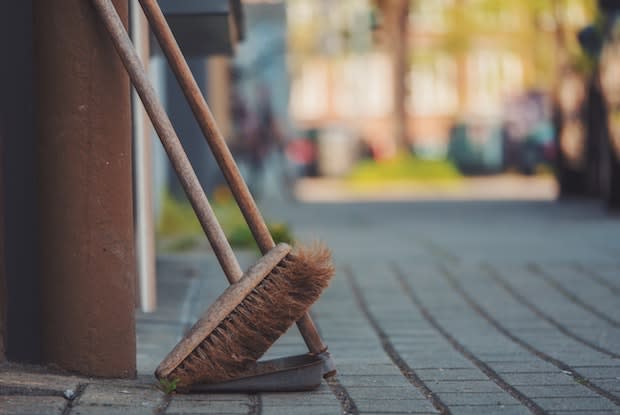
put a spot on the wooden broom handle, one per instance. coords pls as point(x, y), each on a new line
point(220, 150)
point(169, 139)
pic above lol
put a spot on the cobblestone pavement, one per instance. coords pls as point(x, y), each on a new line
point(437, 307)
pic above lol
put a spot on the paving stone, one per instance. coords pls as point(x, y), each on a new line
point(300, 399)
point(396, 405)
point(13, 376)
point(612, 385)
point(120, 395)
point(373, 381)
point(525, 379)
point(532, 366)
point(207, 407)
point(369, 369)
point(210, 397)
point(385, 392)
point(110, 410)
point(400, 397)
point(588, 359)
point(489, 409)
point(579, 412)
point(399, 413)
point(600, 372)
point(575, 404)
point(431, 375)
point(300, 410)
point(29, 405)
point(140, 382)
point(428, 360)
point(477, 398)
point(557, 391)
point(460, 386)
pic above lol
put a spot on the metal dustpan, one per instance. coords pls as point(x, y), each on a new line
point(288, 374)
point(293, 373)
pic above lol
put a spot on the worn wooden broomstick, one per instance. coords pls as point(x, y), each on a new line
point(225, 160)
point(261, 304)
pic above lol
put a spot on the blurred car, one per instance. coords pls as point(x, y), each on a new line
point(523, 140)
point(301, 153)
point(528, 132)
point(476, 146)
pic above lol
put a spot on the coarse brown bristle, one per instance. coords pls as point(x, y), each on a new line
point(260, 319)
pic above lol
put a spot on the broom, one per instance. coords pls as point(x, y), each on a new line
point(227, 164)
point(260, 305)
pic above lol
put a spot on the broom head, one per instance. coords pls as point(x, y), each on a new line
point(251, 314)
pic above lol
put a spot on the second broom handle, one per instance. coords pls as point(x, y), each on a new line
point(169, 139)
point(220, 150)
point(208, 125)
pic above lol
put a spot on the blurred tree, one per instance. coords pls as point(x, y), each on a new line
point(542, 32)
point(395, 22)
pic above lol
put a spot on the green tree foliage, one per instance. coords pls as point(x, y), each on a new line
point(541, 31)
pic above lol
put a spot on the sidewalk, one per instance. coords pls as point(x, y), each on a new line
point(437, 307)
point(494, 187)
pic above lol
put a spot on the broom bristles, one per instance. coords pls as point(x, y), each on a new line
point(260, 319)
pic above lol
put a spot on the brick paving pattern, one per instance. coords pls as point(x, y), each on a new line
point(436, 308)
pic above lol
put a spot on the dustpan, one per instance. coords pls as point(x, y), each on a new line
point(287, 374)
point(294, 373)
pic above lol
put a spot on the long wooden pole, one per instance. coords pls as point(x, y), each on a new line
point(169, 140)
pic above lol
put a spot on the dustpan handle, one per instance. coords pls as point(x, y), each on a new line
point(169, 139)
point(220, 150)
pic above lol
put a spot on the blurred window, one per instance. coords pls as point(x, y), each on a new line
point(492, 76)
point(300, 12)
point(576, 15)
point(433, 87)
point(309, 91)
point(329, 27)
point(362, 86)
point(430, 16)
point(493, 15)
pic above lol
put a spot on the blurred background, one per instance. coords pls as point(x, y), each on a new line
point(407, 99)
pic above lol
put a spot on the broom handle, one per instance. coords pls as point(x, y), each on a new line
point(220, 150)
point(169, 139)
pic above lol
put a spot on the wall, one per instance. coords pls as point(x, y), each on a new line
point(23, 324)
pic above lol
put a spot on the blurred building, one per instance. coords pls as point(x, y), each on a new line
point(466, 58)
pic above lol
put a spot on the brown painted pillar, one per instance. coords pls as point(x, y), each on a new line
point(85, 194)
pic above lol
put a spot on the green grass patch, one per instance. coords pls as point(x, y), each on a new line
point(168, 386)
point(404, 169)
point(177, 219)
point(181, 231)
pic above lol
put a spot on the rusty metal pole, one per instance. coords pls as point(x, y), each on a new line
point(85, 192)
